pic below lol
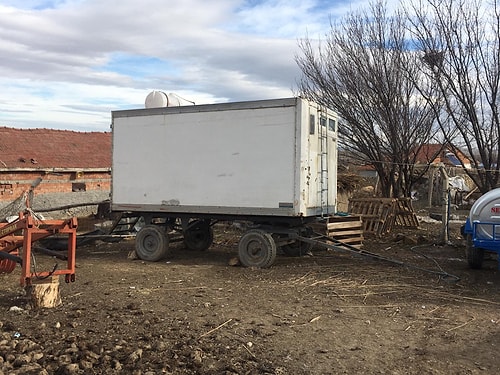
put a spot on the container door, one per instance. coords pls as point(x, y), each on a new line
point(322, 162)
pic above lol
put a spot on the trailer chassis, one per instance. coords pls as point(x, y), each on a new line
point(259, 242)
point(477, 244)
point(257, 246)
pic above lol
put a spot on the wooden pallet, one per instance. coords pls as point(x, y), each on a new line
point(380, 215)
point(377, 214)
point(405, 215)
point(346, 229)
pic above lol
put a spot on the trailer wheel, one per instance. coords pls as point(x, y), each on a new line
point(151, 243)
point(199, 235)
point(297, 248)
point(257, 248)
point(474, 255)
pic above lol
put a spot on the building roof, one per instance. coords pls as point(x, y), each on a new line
point(437, 153)
point(427, 153)
point(48, 148)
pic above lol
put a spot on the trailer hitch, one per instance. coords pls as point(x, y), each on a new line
point(329, 243)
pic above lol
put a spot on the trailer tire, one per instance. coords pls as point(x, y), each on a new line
point(473, 254)
point(257, 248)
point(199, 236)
point(151, 243)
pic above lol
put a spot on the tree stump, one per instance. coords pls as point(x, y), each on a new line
point(44, 293)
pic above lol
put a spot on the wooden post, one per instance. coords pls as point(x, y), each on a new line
point(445, 236)
point(44, 293)
point(431, 186)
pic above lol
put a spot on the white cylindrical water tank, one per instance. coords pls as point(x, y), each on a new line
point(173, 100)
point(486, 210)
point(158, 99)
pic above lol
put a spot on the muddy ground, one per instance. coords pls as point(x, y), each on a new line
point(327, 313)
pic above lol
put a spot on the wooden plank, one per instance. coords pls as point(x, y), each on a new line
point(347, 233)
point(331, 219)
point(350, 224)
point(346, 229)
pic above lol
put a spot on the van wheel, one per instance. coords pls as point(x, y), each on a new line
point(199, 235)
point(474, 255)
point(257, 249)
point(151, 243)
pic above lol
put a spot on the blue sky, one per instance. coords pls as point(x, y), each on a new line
point(66, 64)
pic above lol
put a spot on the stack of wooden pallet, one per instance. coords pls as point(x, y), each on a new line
point(380, 215)
point(346, 229)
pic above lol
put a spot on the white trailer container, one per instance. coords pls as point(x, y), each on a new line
point(270, 162)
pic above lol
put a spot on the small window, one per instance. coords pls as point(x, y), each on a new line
point(312, 121)
point(322, 122)
point(331, 125)
point(78, 186)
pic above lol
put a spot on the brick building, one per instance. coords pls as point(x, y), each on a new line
point(438, 153)
point(66, 161)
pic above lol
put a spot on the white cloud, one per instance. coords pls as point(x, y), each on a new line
point(67, 64)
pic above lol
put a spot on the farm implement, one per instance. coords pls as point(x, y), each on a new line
point(17, 245)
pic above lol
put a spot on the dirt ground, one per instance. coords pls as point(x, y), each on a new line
point(326, 313)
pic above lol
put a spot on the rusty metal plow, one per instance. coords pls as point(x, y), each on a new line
point(16, 245)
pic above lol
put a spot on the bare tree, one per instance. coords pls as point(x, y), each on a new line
point(362, 70)
point(459, 42)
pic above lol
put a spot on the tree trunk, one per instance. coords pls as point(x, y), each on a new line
point(44, 293)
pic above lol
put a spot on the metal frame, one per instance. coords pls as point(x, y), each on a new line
point(16, 244)
point(489, 244)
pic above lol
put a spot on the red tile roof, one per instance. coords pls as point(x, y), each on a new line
point(428, 153)
point(437, 153)
point(48, 148)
